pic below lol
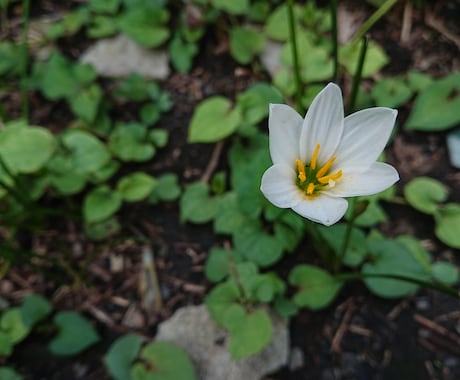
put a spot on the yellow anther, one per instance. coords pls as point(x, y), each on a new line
point(310, 188)
point(301, 169)
point(315, 157)
point(332, 177)
point(325, 168)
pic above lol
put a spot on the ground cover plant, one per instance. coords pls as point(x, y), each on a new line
point(289, 159)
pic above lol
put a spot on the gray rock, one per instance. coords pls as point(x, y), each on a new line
point(270, 57)
point(193, 329)
point(121, 56)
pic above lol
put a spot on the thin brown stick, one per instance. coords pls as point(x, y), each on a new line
point(431, 325)
point(407, 22)
point(213, 161)
point(441, 28)
point(337, 340)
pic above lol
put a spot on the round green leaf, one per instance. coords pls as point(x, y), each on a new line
point(128, 142)
point(250, 335)
point(26, 149)
point(196, 205)
point(34, 308)
point(88, 153)
point(121, 355)
point(166, 189)
point(245, 44)
point(375, 58)
point(100, 204)
point(213, 120)
point(233, 7)
point(217, 264)
point(391, 92)
point(317, 288)
point(392, 257)
point(102, 230)
point(12, 324)
point(136, 186)
point(448, 225)
point(163, 361)
point(86, 103)
point(445, 272)
point(436, 107)
point(6, 346)
point(424, 194)
point(75, 334)
point(8, 373)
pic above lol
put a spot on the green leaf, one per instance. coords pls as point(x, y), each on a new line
point(277, 25)
point(104, 6)
point(418, 81)
point(255, 101)
point(391, 92)
point(6, 346)
point(253, 243)
point(100, 204)
point(335, 236)
point(445, 272)
point(13, 326)
point(150, 114)
point(102, 230)
point(245, 44)
point(128, 142)
point(8, 373)
point(86, 103)
point(182, 54)
point(217, 265)
point(425, 194)
point(34, 308)
point(375, 58)
point(436, 107)
point(145, 25)
point(166, 188)
point(101, 26)
point(392, 257)
point(220, 299)
point(250, 335)
point(74, 336)
point(159, 137)
point(121, 355)
point(136, 186)
point(57, 80)
point(213, 120)
point(317, 288)
point(163, 361)
point(233, 7)
point(87, 152)
point(26, 149)
point(448, 225)
point(196, 205)
point(228, 217)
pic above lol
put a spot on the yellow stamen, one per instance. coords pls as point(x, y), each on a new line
point(325, 168)
point(329, 177)
point(301, 169)
point(315, 157)
point(310, 188)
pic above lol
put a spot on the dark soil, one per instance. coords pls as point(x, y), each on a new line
point(359, 337)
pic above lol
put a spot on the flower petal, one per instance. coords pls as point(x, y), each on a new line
point(323, 124)
point(378, 177)
point(284, 125)
point(323, 209)
point(278, 186)
point(365, 135)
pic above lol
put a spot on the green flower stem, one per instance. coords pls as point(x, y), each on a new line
point(377, 15)
point(335, 44)
point(25, 58)
point(358, 75)
point(346, 240)
point(295, 55)
point(431, 285)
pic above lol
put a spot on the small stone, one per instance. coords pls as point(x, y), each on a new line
point(121, 56)
point(133, 318)
point(422, 304)
point(193, 329)
point(270, 57)
point(296, 359)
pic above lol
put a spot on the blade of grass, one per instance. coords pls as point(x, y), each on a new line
point(357, 76)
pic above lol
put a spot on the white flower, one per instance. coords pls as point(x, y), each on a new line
point(319, 160)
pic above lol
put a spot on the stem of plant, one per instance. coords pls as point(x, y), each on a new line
point(357, 76)
point(335, 38)
point(25, 60)
point(360, 276)
point(295, 55)
point(376, 16)
point(346, 240)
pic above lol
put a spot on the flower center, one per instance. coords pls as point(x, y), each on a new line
point(313, 178)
